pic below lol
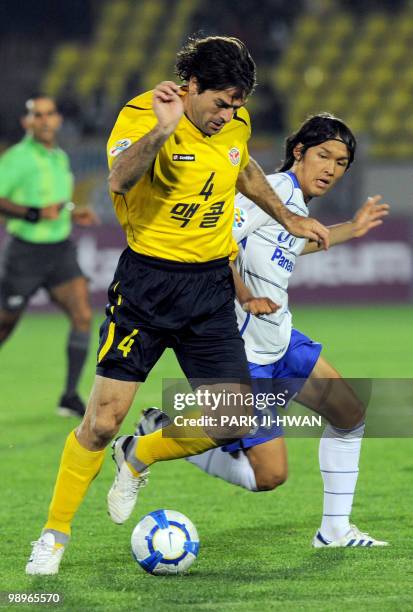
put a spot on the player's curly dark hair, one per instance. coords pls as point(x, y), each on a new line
point(316, 130)
point(217, 62)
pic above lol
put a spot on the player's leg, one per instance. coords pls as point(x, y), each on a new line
point(68, 288)
point(208, 346)
point(261, 467)
point(20, 276)
point(269, 463)
point(327, 393)
point(118, 374)
point(8, 321)
point(80, 463)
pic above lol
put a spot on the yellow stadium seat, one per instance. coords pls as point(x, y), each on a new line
point(307, 26)
point(385, 124)
point(376, 25)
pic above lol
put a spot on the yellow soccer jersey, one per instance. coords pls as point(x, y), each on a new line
point(182, 208)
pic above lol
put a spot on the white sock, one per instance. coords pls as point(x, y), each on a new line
point(339, 454)
point(236, 470)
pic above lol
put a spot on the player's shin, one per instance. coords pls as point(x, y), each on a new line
point(234, 468)
point(161, 445)
point(339, 454)
point(78, 467)
point(198, 430)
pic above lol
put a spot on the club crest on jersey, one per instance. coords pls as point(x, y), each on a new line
point(240, 217)
point(120, 146)
point(234, 156)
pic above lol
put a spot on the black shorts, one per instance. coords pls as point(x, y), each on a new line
point(26, 267)
point(155, 304)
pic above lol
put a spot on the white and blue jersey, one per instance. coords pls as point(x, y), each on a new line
point(266, 260)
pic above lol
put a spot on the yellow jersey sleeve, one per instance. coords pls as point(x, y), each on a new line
point(242, 115)
point(136, 119)
point(234, 251)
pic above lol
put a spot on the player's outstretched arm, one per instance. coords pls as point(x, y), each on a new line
point(370, 215)
point(253, 184)
point(132, 163)
point(249, 303)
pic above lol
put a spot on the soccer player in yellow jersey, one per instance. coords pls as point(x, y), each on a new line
point(177, 155)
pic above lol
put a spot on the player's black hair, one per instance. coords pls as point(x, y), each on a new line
point(39, 95)
point(316, 130)
point(217, 62)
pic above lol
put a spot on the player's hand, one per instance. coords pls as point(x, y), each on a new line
point(369, 215)
point(260, 305)
point(168, 105)
point(85, 216)
point(306, 227)
point(51, 212)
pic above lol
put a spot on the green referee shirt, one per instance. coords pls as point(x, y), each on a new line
point(35, 176)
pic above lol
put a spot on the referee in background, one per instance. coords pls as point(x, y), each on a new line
point(36, 187)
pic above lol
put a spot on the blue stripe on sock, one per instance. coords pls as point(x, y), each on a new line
point(334, 493)
point(339, 472)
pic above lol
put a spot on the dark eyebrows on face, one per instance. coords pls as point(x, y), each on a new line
point(220, 102)
point(46, 113)
point(342, 158)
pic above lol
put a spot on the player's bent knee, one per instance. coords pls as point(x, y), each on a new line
point(104, 428)
point(268, 481)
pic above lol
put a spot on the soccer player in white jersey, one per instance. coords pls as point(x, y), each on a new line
point(317, 156)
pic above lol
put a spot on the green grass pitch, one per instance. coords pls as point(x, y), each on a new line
point(255, 548)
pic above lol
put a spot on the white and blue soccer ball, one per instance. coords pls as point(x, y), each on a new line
point(165, 542)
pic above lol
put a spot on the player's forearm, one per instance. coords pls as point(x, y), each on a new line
point(15, 211)
point(343, 232)
point(132, 163)
point(253, 183)
point(241, 290)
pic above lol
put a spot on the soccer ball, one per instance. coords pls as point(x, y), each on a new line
point(165, 542)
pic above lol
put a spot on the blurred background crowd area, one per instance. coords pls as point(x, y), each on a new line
point(348, 57)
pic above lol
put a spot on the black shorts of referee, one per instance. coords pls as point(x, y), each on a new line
point(27, 267)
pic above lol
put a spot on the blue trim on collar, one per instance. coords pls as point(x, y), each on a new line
point(294, 180)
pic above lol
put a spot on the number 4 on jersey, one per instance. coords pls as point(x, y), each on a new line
point(125, 345)
point(208, 188)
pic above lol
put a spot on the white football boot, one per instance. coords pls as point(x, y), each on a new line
point(46, 556)
point(354, 537)
point(151, 420)
point(124, 491)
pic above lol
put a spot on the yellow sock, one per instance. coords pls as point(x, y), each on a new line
point(78, 467)
point(157, 447)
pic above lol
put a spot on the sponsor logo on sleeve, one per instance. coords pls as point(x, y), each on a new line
point(240, 217)
point(234, 156)
point(120, 146)
point(186, 157)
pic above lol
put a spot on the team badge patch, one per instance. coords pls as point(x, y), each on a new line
point(120, 146)
point(234, 156)
point(240, 217)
